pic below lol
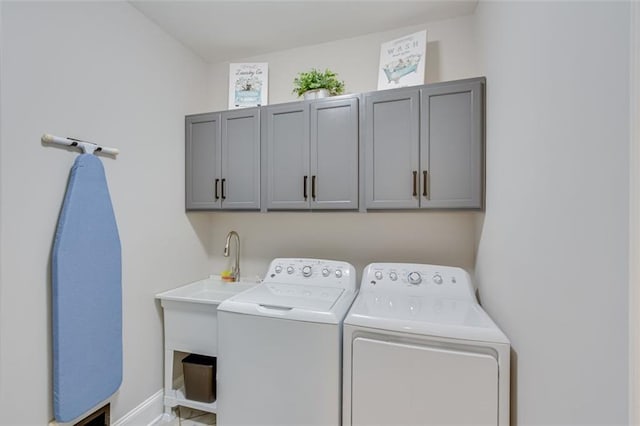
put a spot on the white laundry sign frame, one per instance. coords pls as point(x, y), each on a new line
point(403, 61)
point(248, 84)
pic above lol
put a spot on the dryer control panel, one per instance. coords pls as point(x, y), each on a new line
point(418, 279)
point(317, 272)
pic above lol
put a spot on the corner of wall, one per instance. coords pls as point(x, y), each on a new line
point(634, 219)
point(1, 298)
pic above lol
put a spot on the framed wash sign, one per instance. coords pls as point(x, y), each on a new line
point(248, 84)
point(403, 61)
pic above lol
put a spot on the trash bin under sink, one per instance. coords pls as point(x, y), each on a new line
point(199, 377)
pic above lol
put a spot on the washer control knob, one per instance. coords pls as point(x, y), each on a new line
point(325, 272)
point(437, 278)
point(278, 269)
point(393, 276)
point(306, 271)
point(338, 273)
point(378, 275)
point(414, 278)
point(290, 270)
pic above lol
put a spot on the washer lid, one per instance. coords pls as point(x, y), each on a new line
point(291, 296)
point(449, 318)
point(292, 301)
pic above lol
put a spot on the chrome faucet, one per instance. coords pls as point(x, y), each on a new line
point(235, 270)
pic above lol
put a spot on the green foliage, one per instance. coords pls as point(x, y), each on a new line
point(314, 79)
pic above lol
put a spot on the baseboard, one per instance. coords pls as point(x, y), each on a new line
point(144, 414)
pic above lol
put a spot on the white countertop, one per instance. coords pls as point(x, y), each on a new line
point(211, 290)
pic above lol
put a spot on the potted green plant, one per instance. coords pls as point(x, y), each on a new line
point(317, 84)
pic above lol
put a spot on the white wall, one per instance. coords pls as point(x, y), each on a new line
point(98, 71)
point(451, 55)
point(1, 91)
point(552, 261)
point(634, 221)
point(101, 71)
point(359, 238)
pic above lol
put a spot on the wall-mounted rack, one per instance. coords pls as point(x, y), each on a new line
point(86, 147)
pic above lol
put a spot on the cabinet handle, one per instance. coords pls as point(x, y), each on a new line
point(304, 187)
point(313, 187)
point(415, 183)
point(425, 174)
point(223, 196)
point(216, 185)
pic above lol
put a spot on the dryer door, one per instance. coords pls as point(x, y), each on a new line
point(405, 384)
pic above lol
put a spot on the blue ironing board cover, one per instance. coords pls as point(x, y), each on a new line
point(87, 294)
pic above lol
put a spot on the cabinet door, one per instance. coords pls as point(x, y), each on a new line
point(240, 184)
point(202, 136)
point(392, 123)
point(287, 144)
point(451, 151)
point(334, 154)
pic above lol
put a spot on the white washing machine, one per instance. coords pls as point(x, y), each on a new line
point(419, 350)
point(280, 346)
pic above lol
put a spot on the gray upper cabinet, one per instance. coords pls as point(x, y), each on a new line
point(312, 154)
point(392, 147)
point(424, 146)
point(286, 137)
point(223, 160)
point(334, 154)
point(419, 147)
point(240, 179)
point(451, 149)
point(202, 136)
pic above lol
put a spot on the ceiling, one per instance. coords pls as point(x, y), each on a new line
point(224, 30)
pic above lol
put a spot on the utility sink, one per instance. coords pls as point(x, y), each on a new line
point(190, 313)
point(210, 290)
point(191, 325)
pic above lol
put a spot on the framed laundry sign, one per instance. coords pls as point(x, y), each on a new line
point(248, 84)
point(403, 61)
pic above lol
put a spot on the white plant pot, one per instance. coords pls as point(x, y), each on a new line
point(316, 94)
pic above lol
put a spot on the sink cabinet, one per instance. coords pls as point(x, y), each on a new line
point(311, 154)
point(223, 160)
point(191, 326)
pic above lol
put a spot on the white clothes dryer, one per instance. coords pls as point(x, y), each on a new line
point(280, 346)
point(419, 350)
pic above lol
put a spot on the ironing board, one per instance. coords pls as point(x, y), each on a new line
point(87, 294)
